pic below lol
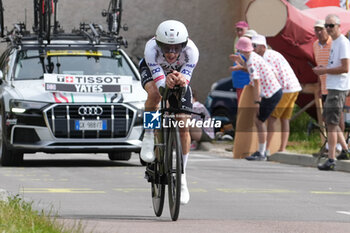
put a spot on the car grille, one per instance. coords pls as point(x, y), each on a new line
point(62, 120)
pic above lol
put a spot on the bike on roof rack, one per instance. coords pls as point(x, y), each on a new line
point(114, 16)
point(43, 10)
point(45, 30)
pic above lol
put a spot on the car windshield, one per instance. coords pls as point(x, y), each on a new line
point(74, 62)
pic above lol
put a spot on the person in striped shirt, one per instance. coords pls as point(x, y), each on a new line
point(321, 48)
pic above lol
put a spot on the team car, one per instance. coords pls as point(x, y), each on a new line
point(68, 92)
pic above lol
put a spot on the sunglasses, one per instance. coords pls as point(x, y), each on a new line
point(254, 46)
point(171, 48)
point(331, 25)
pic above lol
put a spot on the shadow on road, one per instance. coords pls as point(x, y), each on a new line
point(75, 160)
point(75, 163)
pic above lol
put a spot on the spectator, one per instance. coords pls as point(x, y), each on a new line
point(321, 49)
point(240, 78)
point(267, 91)
point(250, 33)
point(241, 29)
point(337, 84)
point(204, 134)
point(290, 86)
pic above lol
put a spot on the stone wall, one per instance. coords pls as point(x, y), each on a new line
point(210, 24)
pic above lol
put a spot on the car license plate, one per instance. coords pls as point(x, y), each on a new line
point(90, 125)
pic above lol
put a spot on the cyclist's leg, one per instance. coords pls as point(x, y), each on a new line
point(185, 132)
point(152, 102)
point(186, 144)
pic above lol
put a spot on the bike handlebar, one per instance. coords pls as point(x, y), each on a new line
point(180, 91)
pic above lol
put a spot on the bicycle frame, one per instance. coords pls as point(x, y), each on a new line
point(114, 15)
point(42, 18)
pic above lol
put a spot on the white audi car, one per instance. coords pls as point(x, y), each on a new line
point(69, 95)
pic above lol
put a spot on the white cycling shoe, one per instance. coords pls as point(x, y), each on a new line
point(147, 149)
point(185, 194)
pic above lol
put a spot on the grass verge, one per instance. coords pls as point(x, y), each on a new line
point(16, 215)
point(304, 137)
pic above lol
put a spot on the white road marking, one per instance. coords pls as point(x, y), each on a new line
point(343, 212)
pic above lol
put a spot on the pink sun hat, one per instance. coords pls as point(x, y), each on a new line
point(242, 24)
point(244, 44)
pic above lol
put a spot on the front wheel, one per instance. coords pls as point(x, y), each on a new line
point(158, 192)
point(158, 184)
point(123, 156)
point(8, 157)
point(174, 171)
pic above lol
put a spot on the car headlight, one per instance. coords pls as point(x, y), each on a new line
point(21, 106)
point(140, 106)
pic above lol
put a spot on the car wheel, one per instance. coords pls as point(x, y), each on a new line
point(125, 156)
point(8, 157)
point(222, 115)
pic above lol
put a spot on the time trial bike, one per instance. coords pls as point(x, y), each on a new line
point(168, 165)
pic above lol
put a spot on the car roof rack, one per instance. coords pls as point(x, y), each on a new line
point(88, 36)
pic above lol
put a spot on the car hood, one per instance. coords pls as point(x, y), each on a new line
point(34, 90)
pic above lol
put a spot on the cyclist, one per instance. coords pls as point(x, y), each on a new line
point(170, 58)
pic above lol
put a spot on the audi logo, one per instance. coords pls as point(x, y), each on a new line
point(90, 111)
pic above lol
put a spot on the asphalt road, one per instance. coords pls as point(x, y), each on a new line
point(226, 195)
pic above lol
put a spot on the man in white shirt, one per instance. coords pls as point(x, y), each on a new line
point(337, 84)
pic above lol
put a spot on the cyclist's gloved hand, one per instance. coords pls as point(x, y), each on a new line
point(180, 79)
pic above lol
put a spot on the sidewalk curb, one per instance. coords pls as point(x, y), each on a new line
point(306, 160)
point(206, 146)
point(281, 157)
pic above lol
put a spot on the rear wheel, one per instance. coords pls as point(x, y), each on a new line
point(174, 168)
point(124, 156)
point(45, 18)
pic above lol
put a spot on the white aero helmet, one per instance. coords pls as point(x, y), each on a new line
point(172, 32)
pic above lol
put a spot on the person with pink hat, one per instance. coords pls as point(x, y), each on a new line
point(240, 78)
point(241, 29)
point(267, 91)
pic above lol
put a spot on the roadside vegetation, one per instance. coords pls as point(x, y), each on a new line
point(17, 215)
point(304, 135)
